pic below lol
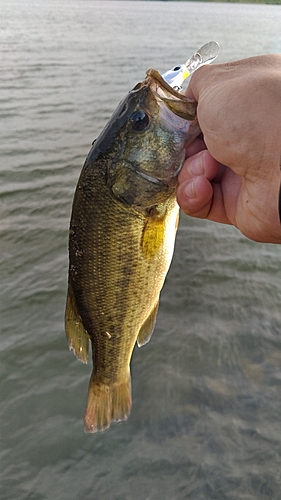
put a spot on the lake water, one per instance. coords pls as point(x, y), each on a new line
point(206, 418)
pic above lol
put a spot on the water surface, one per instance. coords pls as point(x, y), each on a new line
point(206, 411)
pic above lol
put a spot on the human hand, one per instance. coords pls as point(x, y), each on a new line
point(233, 175)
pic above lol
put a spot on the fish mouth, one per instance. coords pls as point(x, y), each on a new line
point(177, 102)
point(169, 179)
point(150, 178)
point(176, 113)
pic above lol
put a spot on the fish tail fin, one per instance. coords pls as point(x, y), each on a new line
point(107, 403)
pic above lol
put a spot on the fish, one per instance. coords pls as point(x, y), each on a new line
point(121, 238)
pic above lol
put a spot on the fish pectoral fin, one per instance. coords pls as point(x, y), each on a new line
point(77, 337)
point(147, 328)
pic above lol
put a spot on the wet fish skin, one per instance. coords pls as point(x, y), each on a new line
point(121, 240)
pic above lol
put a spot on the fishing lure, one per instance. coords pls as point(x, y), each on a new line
point(205, 55)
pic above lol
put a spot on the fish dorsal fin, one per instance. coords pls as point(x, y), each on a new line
point(77, 337)
point(147, 328)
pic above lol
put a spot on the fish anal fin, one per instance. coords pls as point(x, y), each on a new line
point(107, 403)
point(77, 337)
point(147, 328)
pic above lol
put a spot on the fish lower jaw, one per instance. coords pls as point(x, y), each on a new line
point(170, 180)
point(106, 404)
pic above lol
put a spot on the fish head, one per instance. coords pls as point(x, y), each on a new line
point(145, 142)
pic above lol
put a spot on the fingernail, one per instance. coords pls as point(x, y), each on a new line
point(196, 165)
point(189, 190)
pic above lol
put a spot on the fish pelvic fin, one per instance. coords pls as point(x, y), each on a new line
point(77, 337)
point(147, 328)
point(107, 403)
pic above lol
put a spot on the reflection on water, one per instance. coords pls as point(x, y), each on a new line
point(206, 411)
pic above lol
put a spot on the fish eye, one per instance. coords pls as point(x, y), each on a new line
point(139, 120)
point(176, 68)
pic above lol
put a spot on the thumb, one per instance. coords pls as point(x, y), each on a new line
point(197, 83)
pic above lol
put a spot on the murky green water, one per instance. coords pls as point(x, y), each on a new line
point(206, 418)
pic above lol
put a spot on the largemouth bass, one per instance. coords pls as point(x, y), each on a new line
point(122, 232)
